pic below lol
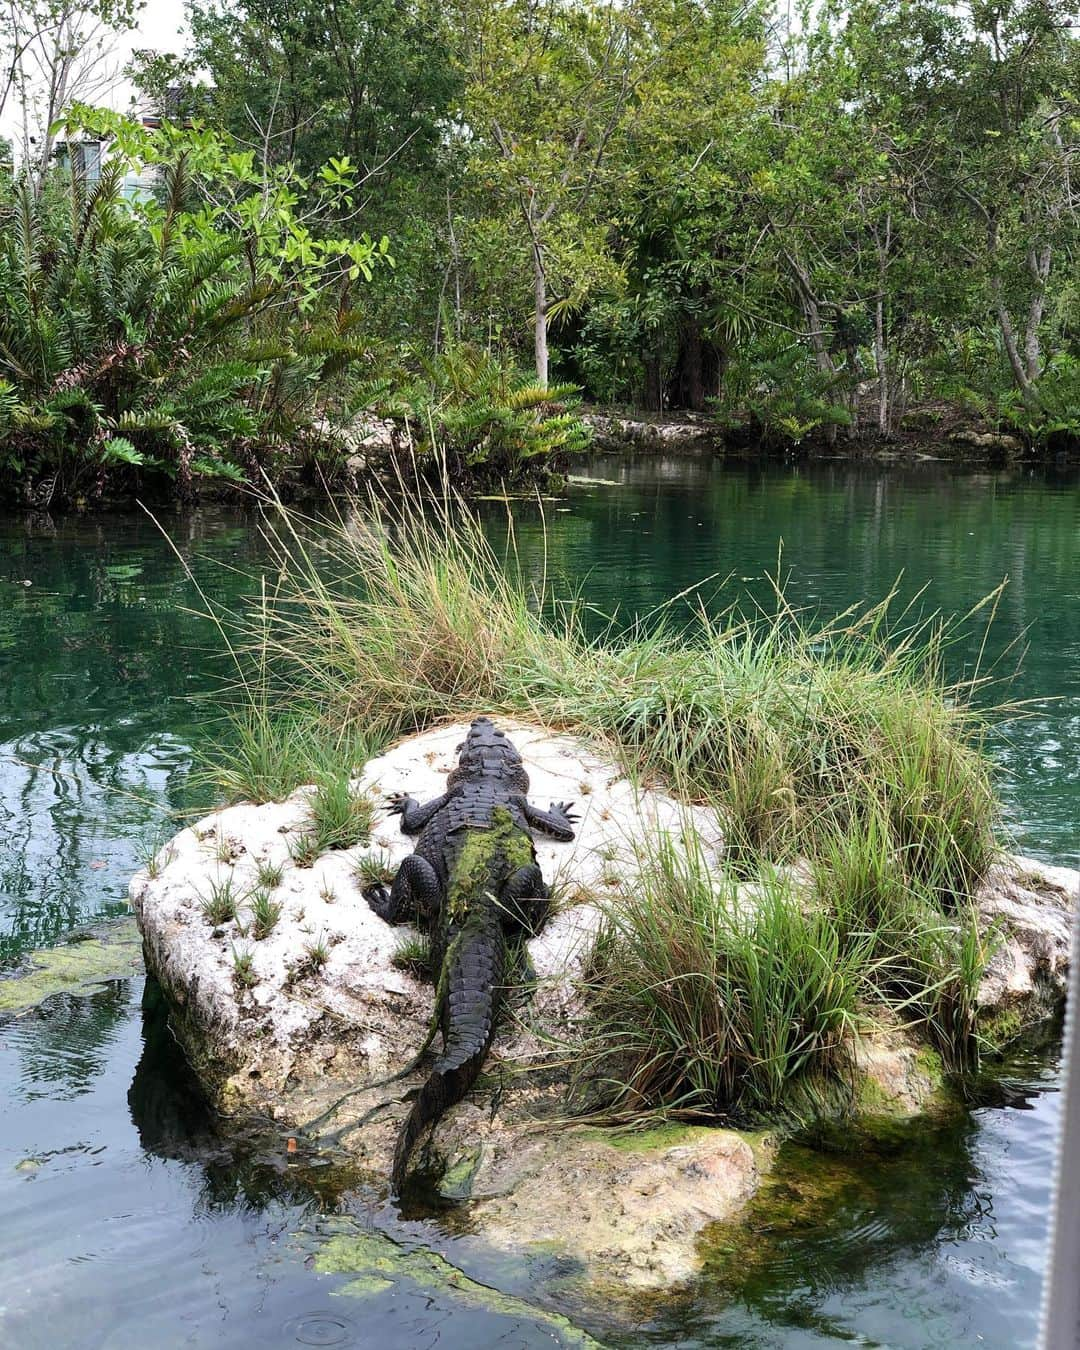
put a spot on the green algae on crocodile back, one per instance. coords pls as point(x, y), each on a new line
point(474, 883)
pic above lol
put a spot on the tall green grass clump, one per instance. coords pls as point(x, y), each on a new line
point(263, 754)
point(400, 618)
point(926, 952)
point(340, 816)
point(709, 1001)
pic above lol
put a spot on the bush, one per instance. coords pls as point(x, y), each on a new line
point(177, 334)
point(475, 416)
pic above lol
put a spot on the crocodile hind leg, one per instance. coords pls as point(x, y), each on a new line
point(526, 899)
point(415, 894)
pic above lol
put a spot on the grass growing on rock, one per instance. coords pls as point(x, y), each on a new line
point(222, 903)
point(340, 817)
point(841, 743)
point(712, 1000)
point(265, 913)
point(263, 754)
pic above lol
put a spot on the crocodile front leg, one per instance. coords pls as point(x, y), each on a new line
point(556, 821)
point(415, 894)
point(414, 816)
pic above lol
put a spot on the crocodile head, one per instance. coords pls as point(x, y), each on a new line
point(488, 752)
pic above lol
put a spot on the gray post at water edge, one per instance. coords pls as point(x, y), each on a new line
point(1061, 1296)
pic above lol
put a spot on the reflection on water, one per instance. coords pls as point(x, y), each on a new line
point(133, 1220)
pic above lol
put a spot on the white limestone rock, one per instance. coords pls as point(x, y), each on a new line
point(358, 1016)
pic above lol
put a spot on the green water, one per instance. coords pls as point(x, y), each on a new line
point(131, 1222)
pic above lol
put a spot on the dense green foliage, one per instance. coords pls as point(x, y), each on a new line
point(813, 222)
point(810, 226)
point(180, 331)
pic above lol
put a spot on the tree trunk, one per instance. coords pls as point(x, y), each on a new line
point(882, 366)
point(654, 394)
point(812, 314)
point(540, 337)
point(1039, 267)
point(691, 373)
point(1008, 336)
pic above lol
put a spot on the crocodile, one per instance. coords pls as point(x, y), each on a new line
point(473, 883)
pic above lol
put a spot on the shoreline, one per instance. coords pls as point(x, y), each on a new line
point(951, 439)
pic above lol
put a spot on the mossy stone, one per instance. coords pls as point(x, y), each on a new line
point(108, 952)
point(378, 1262)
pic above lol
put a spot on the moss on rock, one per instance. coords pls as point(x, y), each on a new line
point(377, 1263)
point(107, 952)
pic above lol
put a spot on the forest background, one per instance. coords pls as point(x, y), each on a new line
point(828, 223)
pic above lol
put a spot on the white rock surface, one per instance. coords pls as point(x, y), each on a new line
point(358, 1015)
point(662, 433)
point(1029, 904)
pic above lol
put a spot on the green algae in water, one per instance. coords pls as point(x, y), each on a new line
point(108, 952)
point(377, 1262)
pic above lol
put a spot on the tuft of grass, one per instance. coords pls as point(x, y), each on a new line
point(263, 755)
point(704, 999)
point(375, 869)
point(224, 849)
point(223, 902)
point(155, 856)
point(265, 913)
point(303, 848)
point(413, 955)
point(316, 955)
point(340, 817)
point(785, 724)
point(926, 952)
point(244, 976)
point(268, 875)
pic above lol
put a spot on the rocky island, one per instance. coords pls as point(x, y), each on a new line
point(292, 1018)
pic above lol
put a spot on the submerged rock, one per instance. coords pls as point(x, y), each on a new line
point(299, 1023)
point(88, 958)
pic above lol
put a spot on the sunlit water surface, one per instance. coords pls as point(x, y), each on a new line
point(130, 1222)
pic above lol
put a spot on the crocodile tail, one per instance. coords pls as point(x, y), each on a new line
point(475, 971)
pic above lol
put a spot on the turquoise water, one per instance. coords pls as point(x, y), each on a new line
point(133, 1222)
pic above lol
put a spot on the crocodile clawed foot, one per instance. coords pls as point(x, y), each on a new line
point(378, 898)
